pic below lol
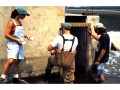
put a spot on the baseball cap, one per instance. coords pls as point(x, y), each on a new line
point(22, 10)
point(99, 25)
point(65, 25)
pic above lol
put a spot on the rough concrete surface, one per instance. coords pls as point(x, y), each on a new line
point(43, 24)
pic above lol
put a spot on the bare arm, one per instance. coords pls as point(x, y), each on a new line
point(93, 34)
point(100, 56)
point(25, 36)
point(102, 53)
point(50, 48)
point(8, 30)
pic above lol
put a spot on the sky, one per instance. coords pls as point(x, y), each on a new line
point(59, 2)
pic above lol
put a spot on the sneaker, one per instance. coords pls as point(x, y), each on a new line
point(19, 81)
point(16, 81)
point(2, 80)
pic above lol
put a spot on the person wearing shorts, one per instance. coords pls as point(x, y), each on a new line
point(102, 52)
point(14, 34)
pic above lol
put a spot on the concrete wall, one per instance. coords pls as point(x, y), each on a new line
point(43, 23)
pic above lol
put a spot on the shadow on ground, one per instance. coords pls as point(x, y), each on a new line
point(56, 79)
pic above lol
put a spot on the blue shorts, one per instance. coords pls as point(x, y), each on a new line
point(14, 50)
point(100, 69)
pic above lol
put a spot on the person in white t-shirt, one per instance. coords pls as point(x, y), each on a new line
point(64, 56)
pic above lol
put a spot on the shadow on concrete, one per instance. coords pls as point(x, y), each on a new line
point(81, 77)
point(26, 68)
point(56, 79)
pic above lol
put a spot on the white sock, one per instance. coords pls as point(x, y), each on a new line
point(3, 76)
point(15, 75)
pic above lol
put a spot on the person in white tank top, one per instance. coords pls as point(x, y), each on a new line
point(14, 34)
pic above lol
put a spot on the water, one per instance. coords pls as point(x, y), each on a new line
point(112, 67)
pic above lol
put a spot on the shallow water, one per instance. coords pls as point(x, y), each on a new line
point(112, 67)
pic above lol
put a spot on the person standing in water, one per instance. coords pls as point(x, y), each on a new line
point(102, 53)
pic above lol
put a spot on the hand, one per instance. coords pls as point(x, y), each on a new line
point(19, 41)
point(27, 37)
point(89, 30)
point(97, 63)
point(53, 52)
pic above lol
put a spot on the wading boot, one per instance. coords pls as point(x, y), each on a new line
point(47, 75)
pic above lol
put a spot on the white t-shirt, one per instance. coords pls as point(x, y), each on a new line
point(58, 42)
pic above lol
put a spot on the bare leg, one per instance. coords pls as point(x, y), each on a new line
point(15, 67)
point(3, 78)
point(102, 78)
point(7, 65)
